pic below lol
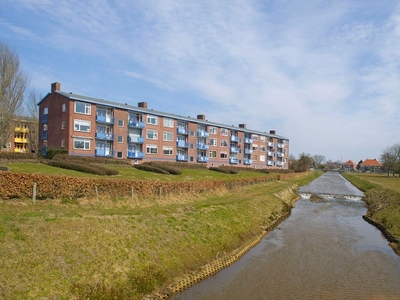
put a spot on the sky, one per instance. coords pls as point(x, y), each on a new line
point(323, 73)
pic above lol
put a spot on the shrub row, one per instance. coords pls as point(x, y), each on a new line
point(3, 168)
point(87, 168)
point(177, 165)
point(92, 159)
point(158, 168)
point(50, 153)
point(226, 170)
point(16, 156)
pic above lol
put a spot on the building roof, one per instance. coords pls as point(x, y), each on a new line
point(349, 163)
point(371, 163)
point(113, 104)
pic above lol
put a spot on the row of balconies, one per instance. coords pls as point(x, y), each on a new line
point(20, 129)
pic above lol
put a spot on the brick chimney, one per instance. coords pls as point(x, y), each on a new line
point(242, 126)
point(201, 117)
point(142, 104)
point(272, 132)
point(56, 86)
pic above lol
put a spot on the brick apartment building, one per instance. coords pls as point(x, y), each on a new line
point(24, 136)
point(96, 127)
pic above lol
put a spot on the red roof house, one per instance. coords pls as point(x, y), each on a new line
point(371, 165)
point(349, 165)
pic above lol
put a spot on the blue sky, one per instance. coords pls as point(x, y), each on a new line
point(323, 73)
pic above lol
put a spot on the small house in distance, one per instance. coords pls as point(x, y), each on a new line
point(371, 165)
point(349, 166)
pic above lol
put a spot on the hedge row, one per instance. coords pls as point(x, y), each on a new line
point(226, 170)
point(87, 168)
point(92, 159)
point(16, 156)
point(159, 168)
point(177, 165)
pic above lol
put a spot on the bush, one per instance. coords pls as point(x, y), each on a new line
point(86, 168)
point(3, 168)
point(50, 153)
point(223, 170)
point(16, 156)
point(92, 159)
point(150, 168)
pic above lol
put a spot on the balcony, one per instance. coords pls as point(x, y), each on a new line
point(44, 134)
point(202, 133)
point(105, 119)
point(104, 152)
point(202, 159)
point(20, 150)
point(270, 163)
point(136, 140)
point(135, 154)
point(271, 144)
point(182, 130)
point(279, 154)
point(136, 124)
point(45, 118)
point(233, 160)
point(104, 136)
point(248, 140)
point(182, 144)
point(279, 163)
point(234, 138)
point(281, 146)
point(270, 153)
point(21, 129)
point(248, 151)
point(202, 147)
point(181, 157)
point(234, 150)
point(21, 140)
point(247, 161)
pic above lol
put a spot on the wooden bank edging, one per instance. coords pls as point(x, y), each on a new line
point(393, 242)
point(208, 270)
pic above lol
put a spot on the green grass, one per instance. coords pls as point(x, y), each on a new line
point(118, 249)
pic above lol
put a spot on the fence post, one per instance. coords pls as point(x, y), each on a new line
point(34, 192)
point(97, 193)
point(132, 194)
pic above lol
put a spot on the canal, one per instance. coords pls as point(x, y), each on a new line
point(324, 250)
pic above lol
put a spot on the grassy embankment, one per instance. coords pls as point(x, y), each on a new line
point(382, 199)
point(117, 249)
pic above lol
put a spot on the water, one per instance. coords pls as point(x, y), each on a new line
point(322, 251)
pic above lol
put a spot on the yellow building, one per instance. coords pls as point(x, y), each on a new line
point(24, 138)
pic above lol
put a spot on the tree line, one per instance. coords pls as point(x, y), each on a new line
point(390, 159)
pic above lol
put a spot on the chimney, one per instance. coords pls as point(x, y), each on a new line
point(56, 86)
point(201, 117)
point(272, 132)
point(142, 104)
point(242, 126)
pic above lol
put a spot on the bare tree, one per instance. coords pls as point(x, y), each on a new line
point(13, 83)
point(390, 158)
point(31, 111)
point(318, 159)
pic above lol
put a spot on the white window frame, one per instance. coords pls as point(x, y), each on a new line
point(86, 143)
point(152, 119)
point(255, 147)
point(62, 125)
point(213, 154)
point(224, 143)
point(224, 131)
point(213, 130)
point(62, 143)
point(63, 107)
point(213, 142)
point(120, 120)
point(223, 155)
point(80, 123)
point(167, 122)
point(45, 110)
point(120, 139)
point(151, 134)
point(168, 136)
point(168, 150)
point(262, 138)
point(262, 157)
point(151, 149)
point(87, 108)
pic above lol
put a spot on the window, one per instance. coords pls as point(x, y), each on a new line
point(152, 134)
point(213, 142)
point(255, 137)
point(168, 122)
point(213, 154)
point(62, 125)
point(63, 107)
point(80, 143)
point(167, 150)
point(262, 138)
point(262, 148)
point(152, 120)
point(224, 155)
point(192, 133)
point(82, 108)
point(120, 139)
point(224, 131)
point(213, 130)
point(120, 123)
point(254, 157)
point(63, 143)
point(255, 147)
point(168, 136)
point(224, 143)
point(262, 157)
point(119, 154)
point(151, 149)
point(45, 110)
point(82, 125)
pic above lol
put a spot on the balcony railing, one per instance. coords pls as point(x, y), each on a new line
point(279, 154)
point(202, 147)
point(181, 157)
point(104, 152)
point(136, 140)
point(248, 140)
point(201, 158)
point(234, 150)
point(135, 124)
point(202, 133)
point(270, 153)
point(248, 151)
point(135, 154)
point(21, 140)
point(281, 145)
point(182, 130)
point(105, 119)
point(20, 150)
point(279, 163)
point(271, 144)
point(21, 129)
point(233, 160)
point(45, 118)
point(234, 138)
point(270, 163)
point(104, 136)
point(247, 161)
point(182, 144)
